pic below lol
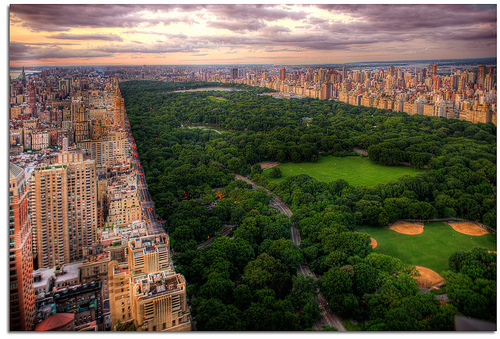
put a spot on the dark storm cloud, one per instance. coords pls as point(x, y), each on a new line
point(20, 51)
point(105, 37)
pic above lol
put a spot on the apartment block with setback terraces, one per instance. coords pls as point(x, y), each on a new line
point(146, 290)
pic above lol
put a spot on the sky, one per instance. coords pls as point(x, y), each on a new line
point(234, 34)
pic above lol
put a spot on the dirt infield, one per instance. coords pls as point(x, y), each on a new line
point(268, 164)
point(428, 277)
point(407, 227)
point(468, 228)
point(373, 243)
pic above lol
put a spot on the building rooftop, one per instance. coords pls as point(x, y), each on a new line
point(55, 321)
point(44, 275)
point(97, 257)
point(69, 272)
point(15, 170)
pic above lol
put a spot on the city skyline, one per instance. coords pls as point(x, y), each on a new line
point(64, 35)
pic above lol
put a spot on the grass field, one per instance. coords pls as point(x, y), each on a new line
point(216, 98)
point(355, 170)
point(431, 248)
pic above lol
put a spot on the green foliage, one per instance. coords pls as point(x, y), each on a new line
point(275, 173)
point(187, 168)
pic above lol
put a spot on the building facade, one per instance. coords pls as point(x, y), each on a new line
point(21, 291)
point(64, 208)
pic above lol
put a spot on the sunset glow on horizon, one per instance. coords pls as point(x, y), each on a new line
point(132, 34)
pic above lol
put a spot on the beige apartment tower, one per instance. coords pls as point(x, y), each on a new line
point(146, 290)
point(64, 209)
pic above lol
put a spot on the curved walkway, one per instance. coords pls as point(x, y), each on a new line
point(328, 317)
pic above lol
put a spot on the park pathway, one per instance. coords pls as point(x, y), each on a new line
point(328, 317)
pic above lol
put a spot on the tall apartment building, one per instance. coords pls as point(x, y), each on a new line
point(109, 150)
point(118, 109)
point(234, 73)
point(21, 292)
point(78, 111)
point(283, 74)
point(146, 290)
point(64, 209)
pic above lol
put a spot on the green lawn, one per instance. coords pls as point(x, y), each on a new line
point(355, 170)
point(212, 98)
point(430, 249)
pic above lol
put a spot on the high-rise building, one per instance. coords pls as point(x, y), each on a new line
point(481, 74)
point(31, 96)
point(391, 70)
point(21, 292)
point(146, 290)
point(283, 74)
point(434, 70)
point(118, 109)
point(234, 73)
point(344, 73)
point(78, 111)
point(64, 208)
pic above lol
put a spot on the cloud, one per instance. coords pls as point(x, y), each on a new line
point(147, 48)
point(53, 18)
point(260, 12)
point(106, 37)
point(20, 51)
point(362, 28)
point(238, 26)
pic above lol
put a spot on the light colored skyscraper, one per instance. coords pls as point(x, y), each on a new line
point(64, 209)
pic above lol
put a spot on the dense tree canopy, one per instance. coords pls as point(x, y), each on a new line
point(252, 270)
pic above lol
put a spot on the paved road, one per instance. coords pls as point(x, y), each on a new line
point(328, 317)
point(153, 225)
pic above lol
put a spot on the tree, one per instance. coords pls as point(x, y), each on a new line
point(268, 271)
point(275, 173)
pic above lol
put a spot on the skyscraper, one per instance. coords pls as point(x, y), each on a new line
point(21, 292)
point(118, 109)
point(344, 73)
point(434, 70)
point(234, 73)
point(282, 74)
point(481, 74)
point(64, 208)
